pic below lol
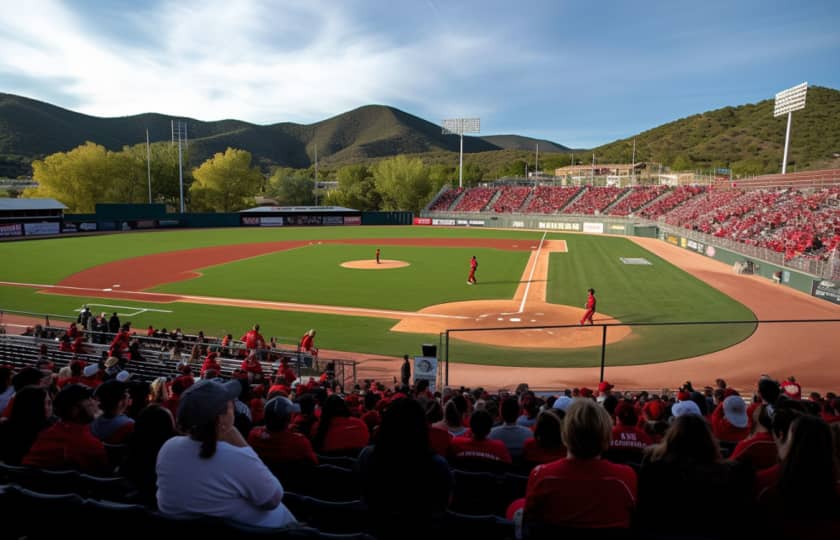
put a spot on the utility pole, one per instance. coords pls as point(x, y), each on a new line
point(149, 165)
point(316, 175)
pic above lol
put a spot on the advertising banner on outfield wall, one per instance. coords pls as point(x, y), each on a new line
point(169, 223)
point(352, 220)
point(12, 229)
point(303, 220)
point(37, 229)
point(671, 239)
point(593, 228)
point(422, 221)
point(448, 222)
point(558, 226)
point(476, 223)
point(827, 290)
point(250, 221)
point(271, 221)
point(333, 220)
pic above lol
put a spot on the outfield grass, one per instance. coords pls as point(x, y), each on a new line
point(314, 275)
point(51, 260)
point(656, 293)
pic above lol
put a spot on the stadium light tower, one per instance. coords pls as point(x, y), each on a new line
point(179, 132)
point(459, 126)
point(787, 101)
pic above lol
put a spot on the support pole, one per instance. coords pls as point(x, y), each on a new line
point(603, 351)
point(787, 143)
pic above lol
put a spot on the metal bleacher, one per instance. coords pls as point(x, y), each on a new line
point(25, 350)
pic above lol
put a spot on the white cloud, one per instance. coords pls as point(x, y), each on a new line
point(247, 60)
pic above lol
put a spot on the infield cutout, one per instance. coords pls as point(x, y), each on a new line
point(371, 264)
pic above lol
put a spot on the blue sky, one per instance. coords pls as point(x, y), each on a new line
point(577, 73)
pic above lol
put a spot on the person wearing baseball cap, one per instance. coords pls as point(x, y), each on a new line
point(729, 420)
point(274, 443)
point(211, 471)
point(69, 444)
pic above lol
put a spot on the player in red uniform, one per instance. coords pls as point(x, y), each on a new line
point(590, 308)
point(473, 267)
point(377, 255)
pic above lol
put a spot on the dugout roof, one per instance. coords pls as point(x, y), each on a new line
point(8, 204)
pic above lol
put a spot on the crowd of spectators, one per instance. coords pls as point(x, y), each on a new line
point(475, 199)
point(638, 197)
point(795, 222)
point(766, 458)
point(551, 199)
point(594, 200)
point(511, 198)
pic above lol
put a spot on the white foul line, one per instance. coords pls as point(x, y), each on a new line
point(533, 268)
point(263, 304)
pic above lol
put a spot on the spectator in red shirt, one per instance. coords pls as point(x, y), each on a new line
point(69, 442)
point(474, 451)
point(547, 444)
point(307, 343)
point(286, 371)
point(254, 341)
point(729, 420)
point(690, 455)
point(275, 443)
point(252, 367)
point(791, 388)
point(211, 363)
point(439, 438)
point(628, 441)
point(759, 449)
point(337, 431)
point(581, 490)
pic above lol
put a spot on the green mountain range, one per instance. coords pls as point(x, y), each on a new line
point(31, 129)
point(746, 138)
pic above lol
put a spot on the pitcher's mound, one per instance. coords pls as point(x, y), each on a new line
point(370, 264)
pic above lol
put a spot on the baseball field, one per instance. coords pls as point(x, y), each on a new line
point(290, 280)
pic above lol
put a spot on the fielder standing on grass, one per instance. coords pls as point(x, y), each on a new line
point(473, 268)
point(377, 255)
point(590, 307)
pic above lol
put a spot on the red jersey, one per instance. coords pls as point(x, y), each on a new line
point(473, 263)
point(581, 493)
point(276, 447)
point(344, 434)
point(66, 445)
point(759, 450)
point(590, 302)
point(439, 440)
point(532, 452)
point(489, 450)
point(306, 342)
point(629, 438)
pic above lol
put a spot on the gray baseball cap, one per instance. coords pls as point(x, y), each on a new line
point(281, 406)
point(202, 402)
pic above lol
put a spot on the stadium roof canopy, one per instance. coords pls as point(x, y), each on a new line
point(297, 209)
point(30, 204)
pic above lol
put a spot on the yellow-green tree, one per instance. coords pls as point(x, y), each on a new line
point(79, 178)
point(225, 183)
point(403, 183)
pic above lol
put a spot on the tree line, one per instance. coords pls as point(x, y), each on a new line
point(229, 181)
